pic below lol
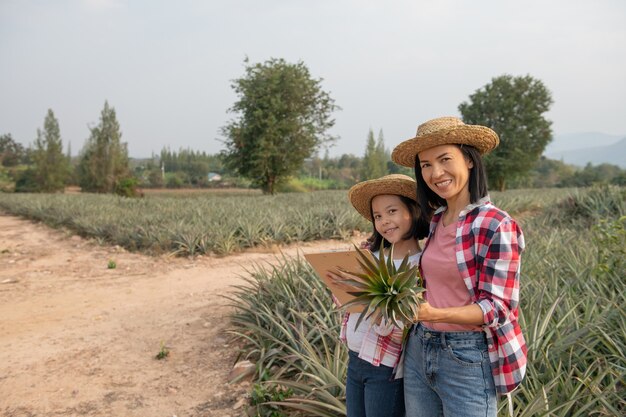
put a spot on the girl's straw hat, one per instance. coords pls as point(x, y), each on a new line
point(361, 194)
point(444, 131)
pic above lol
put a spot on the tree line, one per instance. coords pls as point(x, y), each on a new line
point(102, 165)
point(281, 122)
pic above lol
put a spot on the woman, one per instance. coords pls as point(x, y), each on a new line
point(467, 344)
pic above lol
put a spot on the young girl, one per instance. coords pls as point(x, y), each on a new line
point(468, 344)
point(372, 389)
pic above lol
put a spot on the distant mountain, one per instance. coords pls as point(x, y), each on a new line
point(614, 153)
point(572, 141)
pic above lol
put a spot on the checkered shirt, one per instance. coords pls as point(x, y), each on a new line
point(489, 244)
point(379, 341)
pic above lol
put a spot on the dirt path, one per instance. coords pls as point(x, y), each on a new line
point(79, 339)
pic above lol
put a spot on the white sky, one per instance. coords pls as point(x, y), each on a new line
point(166, 66)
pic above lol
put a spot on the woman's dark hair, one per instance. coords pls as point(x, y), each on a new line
point(418, 230)
point(477, 181)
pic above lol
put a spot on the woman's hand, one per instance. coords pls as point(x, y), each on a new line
point(425, 312)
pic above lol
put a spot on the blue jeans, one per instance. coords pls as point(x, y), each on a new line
point(448, 374)
point(372, 390)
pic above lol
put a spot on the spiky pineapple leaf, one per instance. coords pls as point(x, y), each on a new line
point(365, 260)
point(355, 283)
point(385, 291)
point(401, 279)
point(369, 310)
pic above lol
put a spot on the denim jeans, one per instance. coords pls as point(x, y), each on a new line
point(372, 390)
point(448, 374)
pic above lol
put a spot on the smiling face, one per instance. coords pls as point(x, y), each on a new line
point(392, 218)
point(446, 171)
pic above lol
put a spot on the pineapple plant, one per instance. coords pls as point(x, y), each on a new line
point(384, 290)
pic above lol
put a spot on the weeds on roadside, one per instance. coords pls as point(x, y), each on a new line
point(164, 352)
point(262, 396)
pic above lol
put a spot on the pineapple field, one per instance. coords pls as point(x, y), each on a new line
point(173, 284)
point(573, 315)
point(191, 224)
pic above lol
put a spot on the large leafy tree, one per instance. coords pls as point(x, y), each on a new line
point(50, 168)
point(514, 107)
point(103, 166)
point(283, 118)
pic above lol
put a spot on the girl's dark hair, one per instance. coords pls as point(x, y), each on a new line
point(477, 181)
point(418, 230)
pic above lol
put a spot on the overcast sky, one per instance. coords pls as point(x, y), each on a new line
point(166, 66)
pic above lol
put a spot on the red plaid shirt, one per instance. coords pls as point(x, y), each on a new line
point(488, 248)
point(378, 342)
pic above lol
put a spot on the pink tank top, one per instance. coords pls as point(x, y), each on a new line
point(444, 285)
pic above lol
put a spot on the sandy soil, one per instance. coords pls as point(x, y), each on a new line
point(79, 339)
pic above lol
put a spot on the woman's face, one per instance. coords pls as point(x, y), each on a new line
point(392, 219)
point(446, 171)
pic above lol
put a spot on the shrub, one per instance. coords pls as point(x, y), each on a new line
point(126, 187)
point(293, 185)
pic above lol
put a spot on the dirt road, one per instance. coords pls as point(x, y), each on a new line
point(79, 339)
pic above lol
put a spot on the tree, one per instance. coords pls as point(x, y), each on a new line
point(283, 116)
point(11, 152)
point(384, 155)
point(103, 166)
point(514, 108)
point(375, 157)
point(50, 168)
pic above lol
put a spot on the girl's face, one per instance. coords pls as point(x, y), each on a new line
point(392, 218)
point(446, 171)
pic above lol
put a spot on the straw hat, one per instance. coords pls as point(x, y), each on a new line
point(361, 194)
point(444, 131)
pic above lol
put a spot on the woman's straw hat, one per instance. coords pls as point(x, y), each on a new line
point(361, 194)
point(444, 131)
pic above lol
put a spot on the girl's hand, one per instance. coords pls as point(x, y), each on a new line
point(338, 278)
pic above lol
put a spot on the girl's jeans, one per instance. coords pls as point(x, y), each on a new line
point(372, 390)
point(448, 374)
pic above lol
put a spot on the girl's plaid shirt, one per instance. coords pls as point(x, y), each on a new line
point(488, 248)
point(380, 341)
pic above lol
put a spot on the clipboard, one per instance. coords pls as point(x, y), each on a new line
point(330, 261)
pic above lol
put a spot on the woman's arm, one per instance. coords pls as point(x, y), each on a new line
point(498, 274)
point(469, 314)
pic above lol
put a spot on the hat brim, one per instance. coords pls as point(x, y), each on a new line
point(480, 137)
point(361, 194)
